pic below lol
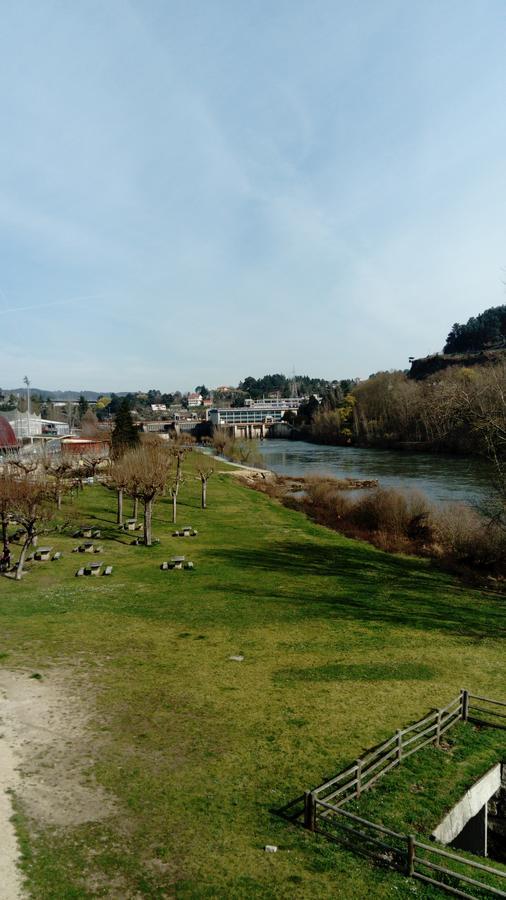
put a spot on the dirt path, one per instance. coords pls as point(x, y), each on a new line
point(45, 748)
point(10, 876)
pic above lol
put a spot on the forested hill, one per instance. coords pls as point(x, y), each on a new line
point(486, 331)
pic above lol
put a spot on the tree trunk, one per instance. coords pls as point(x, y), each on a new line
point(148, 515)
point(136, 508)
point(174, 507)
point(119, 517)
point(21, 562)
point(204, 495)
point(58, 498)
point(5, 538)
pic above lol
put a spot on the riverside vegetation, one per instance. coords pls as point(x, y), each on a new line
point(396, 521)
point(342, 644)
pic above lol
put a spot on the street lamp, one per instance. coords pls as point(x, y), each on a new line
point(27, 382)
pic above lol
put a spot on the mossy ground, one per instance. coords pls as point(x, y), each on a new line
point(342, 644)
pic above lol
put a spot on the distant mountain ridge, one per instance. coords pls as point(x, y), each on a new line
point(62, 395)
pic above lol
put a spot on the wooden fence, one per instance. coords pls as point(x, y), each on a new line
point(323, 806)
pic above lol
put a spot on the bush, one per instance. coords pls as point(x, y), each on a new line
point(404, 514)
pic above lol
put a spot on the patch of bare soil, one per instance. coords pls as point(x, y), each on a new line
point(44, 721)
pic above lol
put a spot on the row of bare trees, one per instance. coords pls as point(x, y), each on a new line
point(149, 471)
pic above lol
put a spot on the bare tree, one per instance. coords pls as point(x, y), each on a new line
point(32, 509)
point(119, 477)
point(6, 498)
point(25, 464)
point(90, 427)
point(205, 473)
point(59, 472)
point(174, 491)
point(146, 470)
point(180, 447)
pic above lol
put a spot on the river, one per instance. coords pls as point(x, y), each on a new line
point(442, 478)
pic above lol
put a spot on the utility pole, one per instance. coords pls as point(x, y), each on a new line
point(27, 382)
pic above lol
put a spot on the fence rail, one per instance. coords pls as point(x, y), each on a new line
point(376, 762)
point(323, 806)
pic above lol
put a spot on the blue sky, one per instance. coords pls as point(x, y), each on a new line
point(202, 190)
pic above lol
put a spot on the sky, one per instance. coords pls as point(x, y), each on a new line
point(194, 191)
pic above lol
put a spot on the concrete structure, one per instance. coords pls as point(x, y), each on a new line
point(28, 426)
point(466, 825)
point(247, 421)
point(283, 403)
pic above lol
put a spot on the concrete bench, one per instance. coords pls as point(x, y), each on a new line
point(93, 569)
point(107, 570)
point(57, 556)
point(98, 549)
point(79, 573)
point(96, 534)
point(189, 565)
point(43, 554)
point(86, 533)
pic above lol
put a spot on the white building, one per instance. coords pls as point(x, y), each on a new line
point(34, 426)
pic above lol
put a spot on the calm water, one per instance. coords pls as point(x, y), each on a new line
point(442, 478)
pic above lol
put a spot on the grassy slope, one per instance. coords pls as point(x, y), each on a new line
point(342, 645)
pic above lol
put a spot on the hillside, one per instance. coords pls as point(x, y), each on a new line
point(437, 362)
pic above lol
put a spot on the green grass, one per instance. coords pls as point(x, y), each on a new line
point(342, 644)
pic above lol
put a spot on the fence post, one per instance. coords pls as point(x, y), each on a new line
point(359, 777)
point(399, 744)
point(309, 810)
point(410, 860)
point(438, 728)
point(465, 704)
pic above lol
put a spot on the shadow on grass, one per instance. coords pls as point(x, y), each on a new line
point(368, 586)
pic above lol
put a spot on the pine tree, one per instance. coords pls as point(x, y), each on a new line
point(125, 435)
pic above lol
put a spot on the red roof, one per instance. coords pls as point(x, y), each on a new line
point(7, 436)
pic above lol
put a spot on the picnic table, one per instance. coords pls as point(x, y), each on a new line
point(185, 531)
point(43, 554)
point(177, 562)
point(93, 568)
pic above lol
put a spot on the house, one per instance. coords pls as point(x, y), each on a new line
point(158, 407)
point(194, 399)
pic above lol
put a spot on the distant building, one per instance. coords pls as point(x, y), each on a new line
point(158, 407)
point(279, 403)
point(79, 446)
point(30, 426)
point(194, 399)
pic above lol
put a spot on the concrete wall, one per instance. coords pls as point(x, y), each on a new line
point(465, 826)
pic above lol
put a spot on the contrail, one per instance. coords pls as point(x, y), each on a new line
point(70, 300)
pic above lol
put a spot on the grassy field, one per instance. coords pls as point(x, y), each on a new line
point(342, 644)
